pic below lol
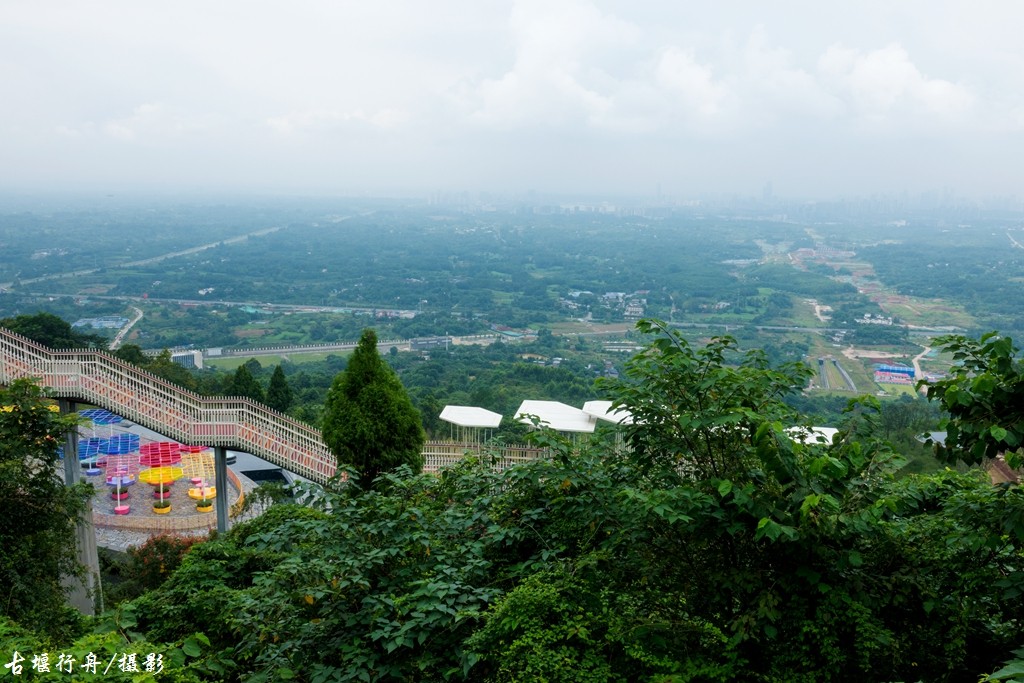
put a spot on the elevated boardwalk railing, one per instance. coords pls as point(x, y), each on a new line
point(100, 379)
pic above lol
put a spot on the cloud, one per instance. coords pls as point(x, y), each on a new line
point(459, 90)
point(690, 83)
point(563, 68)
point(150, 123)
point(885, 82)
point(775, 88)
point(312, 120)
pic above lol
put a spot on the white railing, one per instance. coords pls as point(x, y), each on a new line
point(439, 454)
point(100, 379)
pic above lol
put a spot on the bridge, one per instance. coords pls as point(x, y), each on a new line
point(100, 379)
point(237, 423)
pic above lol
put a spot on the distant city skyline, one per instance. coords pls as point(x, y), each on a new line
point(788, 99)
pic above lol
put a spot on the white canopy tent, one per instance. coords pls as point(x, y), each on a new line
point(470, 422)
point(602, 410)
point(557, 416)
point(812, 435)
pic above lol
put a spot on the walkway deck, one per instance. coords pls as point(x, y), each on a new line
point(236, 423)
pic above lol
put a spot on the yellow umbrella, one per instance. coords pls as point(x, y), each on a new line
point(198, 465)
point(157, 475)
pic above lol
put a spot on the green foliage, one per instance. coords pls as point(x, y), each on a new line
point(177, 661)
point(694, 416)
point(131, 353)
point(52, 331)
point(163, 366)
point(157, 558)
point(984, 396)
point(38, 514)
point(279, 394)
point(717, 548)
point(552, 627)
point(385, 586)
point(245, 385)
point(369, 421)
point(1012, 670)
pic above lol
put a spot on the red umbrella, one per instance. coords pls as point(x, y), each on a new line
point(160, 453)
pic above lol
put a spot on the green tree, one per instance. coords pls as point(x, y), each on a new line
point(786, 561)
point(162, 366)
point(244, 384)
point(52, 331)
point(369, 420)
point(695, 415)
point(132, 353)
point(279, 394)
point(38, 513)
point(984, 396)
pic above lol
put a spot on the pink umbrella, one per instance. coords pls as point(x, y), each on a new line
point(160, 453)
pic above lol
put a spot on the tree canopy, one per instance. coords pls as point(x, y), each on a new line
point(51, 330)
point(719, 546)
point(279, 394)
point(38, 513)
point(369, 422)
point(984, 396)
point(244, 384)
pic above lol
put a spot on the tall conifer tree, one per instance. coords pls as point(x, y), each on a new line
point(279, 394)
point(369, 421)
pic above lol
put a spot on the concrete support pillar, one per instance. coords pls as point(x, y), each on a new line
point(72, 470)
point(85, 593)
point(220, 470)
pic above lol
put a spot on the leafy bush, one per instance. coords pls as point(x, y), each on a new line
point(716, 548)
point(156, 559)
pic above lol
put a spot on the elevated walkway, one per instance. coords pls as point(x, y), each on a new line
point(240, 424)
point(100, 379)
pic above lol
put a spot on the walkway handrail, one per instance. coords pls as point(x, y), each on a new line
point(100, 379)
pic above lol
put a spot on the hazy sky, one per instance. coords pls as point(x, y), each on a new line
point(335, 96)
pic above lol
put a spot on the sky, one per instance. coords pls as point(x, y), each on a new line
point(626, 97)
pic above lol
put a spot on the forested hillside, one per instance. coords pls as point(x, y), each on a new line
point(714, 547)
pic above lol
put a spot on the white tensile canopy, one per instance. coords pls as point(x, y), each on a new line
point(469, 416)
point(470, 420)
point(812, 435)
point(557, 416)
point(602, 410)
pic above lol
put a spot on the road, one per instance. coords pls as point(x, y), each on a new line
point(114, 345)
point(290, 308)
point(917, 362)
point(143, 262)
point(157, 259)
point(820, 330)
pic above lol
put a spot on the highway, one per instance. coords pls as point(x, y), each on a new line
point(142, 262)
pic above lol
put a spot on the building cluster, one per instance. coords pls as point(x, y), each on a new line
point(894, 374)
point(869, 319)
point(107, 322)
point(630, 306)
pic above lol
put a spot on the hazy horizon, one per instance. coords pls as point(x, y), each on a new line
point(567, 98)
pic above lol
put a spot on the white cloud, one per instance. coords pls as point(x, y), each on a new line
point(776, 88)
point(881, 83)
point(312, 120)
point(692, 83)
point(561, 72)
point(641, 90)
